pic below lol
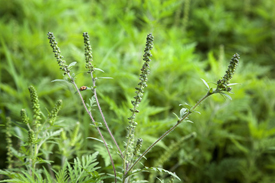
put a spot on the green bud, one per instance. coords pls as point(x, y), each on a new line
point(35, 105)
point(88, 52)
point(31, 137)
point(24, 117)
point(54, 112)
point(138, 146)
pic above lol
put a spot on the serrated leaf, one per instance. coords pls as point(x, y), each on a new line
point(92, 101)
point(205, 83)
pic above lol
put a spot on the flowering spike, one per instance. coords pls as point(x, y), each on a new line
point(35, 105)
point(24, 116)
point(138, 147)
point(222, 85)
point(56, 50)
point(53, 114)
point(129, 147)
point(88, 52)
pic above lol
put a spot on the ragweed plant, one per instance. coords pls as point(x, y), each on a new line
point(40, 129)
point(223, 85)
point(129, 148)
point(90, 68)
point(131, 155)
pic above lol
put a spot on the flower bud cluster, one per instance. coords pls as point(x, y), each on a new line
point(35, 105)
point(54, 112)
point(24, 116)
point(222, 84)
point(139, 91)
point(88, 52)
point(56, 50)
point(138, 147)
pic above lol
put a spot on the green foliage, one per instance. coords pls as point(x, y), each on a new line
point(193, 40)
point(83, 170)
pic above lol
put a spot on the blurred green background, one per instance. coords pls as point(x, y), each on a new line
point(193, 39)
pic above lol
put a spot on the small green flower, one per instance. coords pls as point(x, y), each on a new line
point(35, 105)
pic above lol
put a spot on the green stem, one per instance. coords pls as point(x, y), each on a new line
point(166, 133)
point(89, 113)
point(102, 115)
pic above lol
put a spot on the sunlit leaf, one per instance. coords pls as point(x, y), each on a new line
point(72, 64)
point(183, 111)
point(97, 69)
point(205, 83)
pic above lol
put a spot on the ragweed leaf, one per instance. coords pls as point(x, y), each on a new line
point(176, 116)
point(72, 64)
point(205, 83)
point(97, 69)
point(183, 111)
point(225, 95)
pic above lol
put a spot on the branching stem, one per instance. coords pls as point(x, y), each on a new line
point(167, 132)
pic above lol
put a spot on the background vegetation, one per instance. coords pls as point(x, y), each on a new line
point(193, 39)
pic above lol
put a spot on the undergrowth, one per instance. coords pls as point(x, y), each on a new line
point(229, 141)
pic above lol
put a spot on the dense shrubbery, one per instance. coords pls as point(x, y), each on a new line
point(193, 40)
